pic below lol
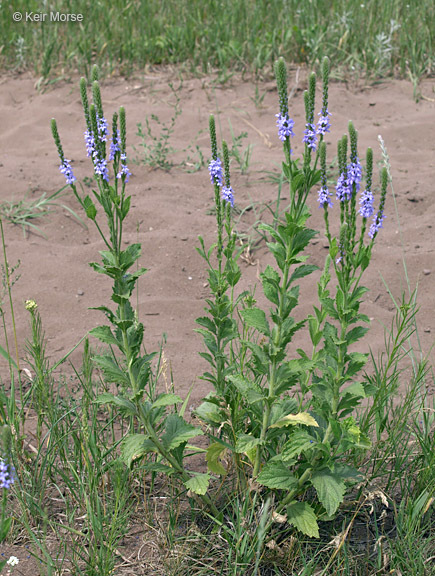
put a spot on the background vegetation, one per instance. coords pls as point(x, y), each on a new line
point(362, 37)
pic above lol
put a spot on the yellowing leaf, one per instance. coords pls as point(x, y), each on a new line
point(293, 419)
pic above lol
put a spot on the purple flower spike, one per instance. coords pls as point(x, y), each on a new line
point(100, 167)
point(377, 224)
point(323, 124)
point(324, 196)
point(114, 146)
point(103, 129)
point(310, 137)
point(90, 143)
point(66, 170)
point(124, 169)
point(354, 171)
point(228, 195)
point(216, 172)
point(285, 126)
point(6, 475)
point(366, 203)
point(343, 188)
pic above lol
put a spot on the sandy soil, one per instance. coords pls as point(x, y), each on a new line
point(170, 209)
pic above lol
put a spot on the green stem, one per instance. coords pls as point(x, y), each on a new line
point(173, 462)
point(271, 391)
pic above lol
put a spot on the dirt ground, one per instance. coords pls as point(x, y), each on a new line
point(170, 209)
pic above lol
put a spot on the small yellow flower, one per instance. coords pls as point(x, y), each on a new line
point(31, 306)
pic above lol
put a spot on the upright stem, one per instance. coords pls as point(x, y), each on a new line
point(274, 366)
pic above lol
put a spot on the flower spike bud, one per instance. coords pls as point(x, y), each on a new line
point(369, 168)
point(85, 102)
point(227, 192)
point(307, 106)
point(281, 82)
point(324, 194)
point(95, 73)
point(312, 92)
point(353, 135)
point(325, 81)
point(226, 156)
point(96, 95)
point(213, 139)
point(56, 138)
point(380, 216)
point(123, 129)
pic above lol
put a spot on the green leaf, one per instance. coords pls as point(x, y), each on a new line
point(277, 475)
point(245, 443)
point(214, 452)
point(251, 391)
point(90, 209)
point(206, 323)
point(256, 318)
point(134, 447)
point(123, 403)
point(8, 357)
point(198, 483)
point(5, 526)
point(104, 334)
point(210, 413)
point(298, 442)
point(301, 271)
point(330, 490)
point(293, 419)
point(302, 516)
point(356, 334)
point(356, 389)
point(129, 256)
point(357, 361)
point(167, 400)
point(111, 371)
point(178, 431)
point(159, 467)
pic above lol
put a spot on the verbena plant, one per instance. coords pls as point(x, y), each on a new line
point(279, 427)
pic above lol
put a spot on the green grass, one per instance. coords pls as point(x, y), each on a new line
point(369, 38)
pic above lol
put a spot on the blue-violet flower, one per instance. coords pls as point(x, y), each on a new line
point(366, 203)
point(90, 143)
point(100, 167)
point(324, 196)
point(216, 172)
point(285, 126)
point(377, 224)
point(124, 168)
point(354, 171)
point(6, 475)
point(310, 137)
point(228, 195)
point(114, 145)
point(66, 170)
point(323, 124)
point(103, 129)
point(343, 188)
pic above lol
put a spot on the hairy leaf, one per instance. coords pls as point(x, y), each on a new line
point(277, 475)
point(178, 431)
point(214, 452)
point(256, 318)
point(302, 516)
point(330, 490)
point(198, 483)
point(134, 447)
point(245, 443)
point(293, 419)
point(167, 400)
